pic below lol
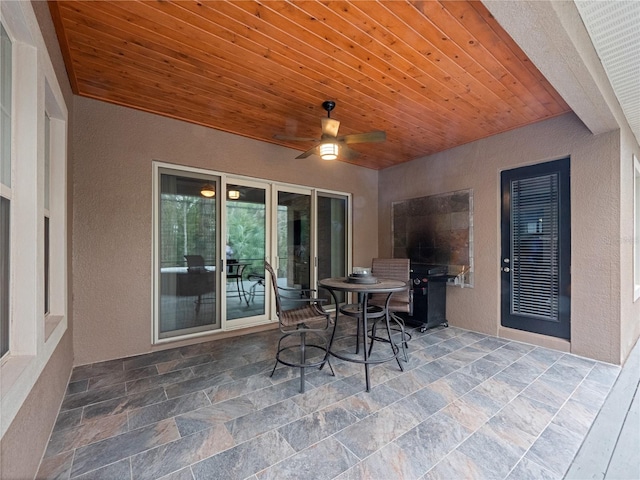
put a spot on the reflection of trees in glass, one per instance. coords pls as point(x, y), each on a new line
point(283, 244)
point(246, 232)
point(188, 226)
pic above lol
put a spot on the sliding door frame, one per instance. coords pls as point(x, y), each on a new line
point(271, 243)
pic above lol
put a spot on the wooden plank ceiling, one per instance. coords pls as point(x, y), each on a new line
point(431, 74)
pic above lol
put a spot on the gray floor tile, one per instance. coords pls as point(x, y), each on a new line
point(365, 403)
point(518, 347)
point(521, 421)
point(256, 423)
point(481, 369)
point(152, 358)
point(210, 416)
point(576, 416)
point(87, 433)
point(276, 393)
point(468, 405)
point(430, 441)
point(182, 363)
point(175, 456)
point(245, 459)
point(120, 470)
point(96, 369)
point(544, 357)
point(457, 466)
point(409, 382)
point(555, 449)
point(504, 356)
point(375, 431)
point(502, 388)
point(184, 474)
point(423, 403)
point(604, 374)
point(77, 387)
point(191, 385)
point(524, 370)
point(482, 448)
point(94, 396)
point(226, 391)
point(325, 395)
point(324, 460)
point(68, 419)
point(122, 404)
point(472, 410)
point(489, 344)
point(105, 452)
point(316, 426)
point(121, 377)
point(167, 409)
point(549, 390)
point(166, 379)
point(528, 470)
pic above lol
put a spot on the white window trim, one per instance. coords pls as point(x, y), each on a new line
point(35, 89)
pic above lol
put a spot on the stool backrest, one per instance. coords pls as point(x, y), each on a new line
point(394, 269)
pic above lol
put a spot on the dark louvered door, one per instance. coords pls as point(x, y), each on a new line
point(536, 247)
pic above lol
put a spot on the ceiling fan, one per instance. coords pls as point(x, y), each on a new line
point(329, 146)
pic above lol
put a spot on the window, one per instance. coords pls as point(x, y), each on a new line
point(33, 193)
point(636, 227)
point(47, 175)
point(5, 185)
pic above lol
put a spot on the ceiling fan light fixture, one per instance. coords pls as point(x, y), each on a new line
point(208, 191)
point(329, 151)
point(233, 194)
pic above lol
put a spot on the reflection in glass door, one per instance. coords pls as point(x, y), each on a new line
point(294, 239)
point(187, 253)
point(332, 228)
point(245, 250)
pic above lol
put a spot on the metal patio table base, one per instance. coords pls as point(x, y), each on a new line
point(362, 317)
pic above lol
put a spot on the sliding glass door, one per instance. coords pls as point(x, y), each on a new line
point(333, 238)
point(246, 249)
point(212, 234)
point(187, 250)
point(294, 238)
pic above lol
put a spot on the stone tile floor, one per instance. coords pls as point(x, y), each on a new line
point(467, 406)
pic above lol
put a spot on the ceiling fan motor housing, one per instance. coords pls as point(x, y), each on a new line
point(329, 105)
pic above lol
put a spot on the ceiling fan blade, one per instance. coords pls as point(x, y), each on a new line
point(330, 127)
point(347, 153)
point(295, 139)
point(308, 153)
point(369, 137)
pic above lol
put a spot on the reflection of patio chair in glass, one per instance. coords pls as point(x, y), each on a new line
point(198, 281)
point(235, 272)
point(301, 316)
point(257, 287)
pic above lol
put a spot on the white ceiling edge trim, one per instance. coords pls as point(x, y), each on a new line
point(554, 37)
point(614, 28)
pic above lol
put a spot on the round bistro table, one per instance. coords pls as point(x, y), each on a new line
point(382, 285)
